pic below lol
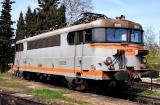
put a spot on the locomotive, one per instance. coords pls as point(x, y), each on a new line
point(94, 52)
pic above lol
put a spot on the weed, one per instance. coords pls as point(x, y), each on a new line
point(157, 80)
point(12, 85)
point(5, 74)
point(2, 79)
point(145, 92)
point(49, 94)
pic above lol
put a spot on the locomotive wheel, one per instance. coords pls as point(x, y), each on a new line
point(71, 86)
point(130, 82)
point(118, 85)
point(27, 76)
point(69, 81)
point(113, 84)
point(76, 84)
point(81, 84)
point(122, 85)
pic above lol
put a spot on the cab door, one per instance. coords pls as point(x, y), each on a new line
point(79, 44)
point(19, 54)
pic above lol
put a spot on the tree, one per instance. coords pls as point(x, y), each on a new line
point(34, 22)
point(50, 15)
point(6, 34)
point(21, 30)
point(152, 46)
point(29, 22)
point(149, 41)
point(149, 36)
point(46, 4)
point(62, 17)
point(74, 9)
point(6, 22)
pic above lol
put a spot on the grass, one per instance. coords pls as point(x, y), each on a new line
point(134, 90)
point(2, 79)
point(44, 95)
point(145, 92)
point(12, 85)
point(157, 80)
point(79, 102)
point(7, 76)
point(153, 62)
point(47, 95)
point(51, 96)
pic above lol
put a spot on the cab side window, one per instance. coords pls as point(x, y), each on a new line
point(71, 38)
point(19, 47)
point(88, 35)
point(79, 37)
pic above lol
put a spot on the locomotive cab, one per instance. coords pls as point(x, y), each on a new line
point(121, 47)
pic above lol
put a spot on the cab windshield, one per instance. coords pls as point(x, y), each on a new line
point(117, 35)
point(136, 36)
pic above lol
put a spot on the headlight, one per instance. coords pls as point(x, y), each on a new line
point(108, 61)
point(144, 60)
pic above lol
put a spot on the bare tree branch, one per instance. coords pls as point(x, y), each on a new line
point(150, 42)
point(74, 8)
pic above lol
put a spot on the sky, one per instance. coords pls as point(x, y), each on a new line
point(20, 5)
point(145, 12)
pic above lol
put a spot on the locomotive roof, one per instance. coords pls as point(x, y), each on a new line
point(98, 23)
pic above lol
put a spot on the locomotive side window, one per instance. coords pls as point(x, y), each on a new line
point(70, 38)
point(79, 37)
point(88, 35)
point(99, 35)
point(19, 47)
point(45, 42)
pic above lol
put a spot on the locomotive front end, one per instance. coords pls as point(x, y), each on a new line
point(121, 52)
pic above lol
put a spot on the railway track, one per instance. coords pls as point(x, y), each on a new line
point(143, 99)
point(12, 99)
point(147, 85)
point(8, 98)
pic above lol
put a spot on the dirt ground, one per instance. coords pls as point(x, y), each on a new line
point(75, 97)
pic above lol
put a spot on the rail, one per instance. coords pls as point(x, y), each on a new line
point(143, 99)
point(147, 85)
point(11, 99)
